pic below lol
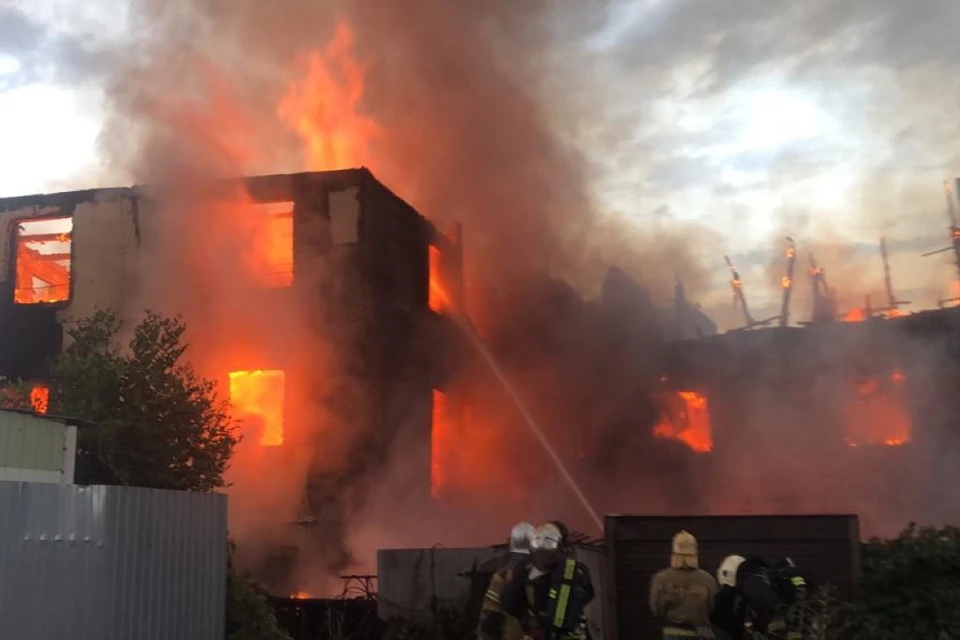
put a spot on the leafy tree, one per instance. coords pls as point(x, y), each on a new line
point(156, 423)
point(911, 585)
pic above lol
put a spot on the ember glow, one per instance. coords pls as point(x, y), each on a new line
point(324, 108)
point(271, 254)
point(437, 296)
point(879, 413)
point(259, 395)
point(43, 260)
point(854, 315)
point(300, 595)
point(686, 417)
point(39, 398)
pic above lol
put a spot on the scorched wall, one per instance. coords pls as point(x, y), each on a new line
point(360, 273)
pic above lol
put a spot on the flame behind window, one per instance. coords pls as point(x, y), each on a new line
point(43, 260)
point(686, 417)
point(437, 297)
point(257, 396)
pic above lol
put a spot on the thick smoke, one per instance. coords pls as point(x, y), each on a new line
point(463, 131)
point(468, 99)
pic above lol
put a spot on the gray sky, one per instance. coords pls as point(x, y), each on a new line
point(832, 121)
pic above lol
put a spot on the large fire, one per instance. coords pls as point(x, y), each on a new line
point(686, 417)
point(879, 414)
point(258, 395)
point(324, 109)
point(43, 260)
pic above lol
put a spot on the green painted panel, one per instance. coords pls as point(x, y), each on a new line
point(30, 442)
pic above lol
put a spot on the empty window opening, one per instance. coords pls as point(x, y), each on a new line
point(273, 252)
point(878, 412)
point(257, 398)
point(43, 260)
point(685, 416)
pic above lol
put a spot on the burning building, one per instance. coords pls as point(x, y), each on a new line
point(331, 289)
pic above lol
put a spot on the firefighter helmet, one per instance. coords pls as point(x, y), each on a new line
point(727, 573)
point(548, 538)
point(521, 537)
point(684, 551)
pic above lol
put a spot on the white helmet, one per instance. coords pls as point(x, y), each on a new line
point(548, 538)
point(521, 537)
point(727, 573)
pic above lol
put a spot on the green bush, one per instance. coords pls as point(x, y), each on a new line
point(911, 585)
point(249, 615)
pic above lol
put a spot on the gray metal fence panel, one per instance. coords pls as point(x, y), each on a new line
point(111, 563)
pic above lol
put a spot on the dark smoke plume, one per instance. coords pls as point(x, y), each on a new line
point(462, 99)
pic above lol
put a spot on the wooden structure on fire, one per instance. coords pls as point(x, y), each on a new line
point(308, 295)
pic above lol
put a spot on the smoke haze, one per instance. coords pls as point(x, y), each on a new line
point(483, 111)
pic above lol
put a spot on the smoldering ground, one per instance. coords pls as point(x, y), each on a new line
point(479, 108)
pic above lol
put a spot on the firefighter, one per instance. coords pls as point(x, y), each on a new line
point(682, 595)
point(495, 624)
point(729, 613)
point(758, 597)
point(551, 602)
point(791, 588)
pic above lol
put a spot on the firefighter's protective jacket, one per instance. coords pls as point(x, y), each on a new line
point(683, 596)
point(552, 606)
point(495, 623)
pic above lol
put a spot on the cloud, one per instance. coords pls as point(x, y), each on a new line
point(52, 49)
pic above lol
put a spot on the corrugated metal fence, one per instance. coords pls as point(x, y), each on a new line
point(828, 547)
point(111, 563)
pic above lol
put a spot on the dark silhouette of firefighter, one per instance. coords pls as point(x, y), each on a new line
point(682, 595)
point(759, 597)
point(495, 624)
point(551, 599)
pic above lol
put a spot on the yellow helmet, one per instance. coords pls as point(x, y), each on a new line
point(684, 552)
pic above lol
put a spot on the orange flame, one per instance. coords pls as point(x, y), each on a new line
point(324, 108)
point(40, 398)
point(437, 297)
point(879, 413)
point(854, 315)
point(259, 395)
point(271, 257)
point(300, 595)
point(43, 260)
point(785, 282)
point(687, 420)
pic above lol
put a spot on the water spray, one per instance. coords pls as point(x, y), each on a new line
point(465, 326)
